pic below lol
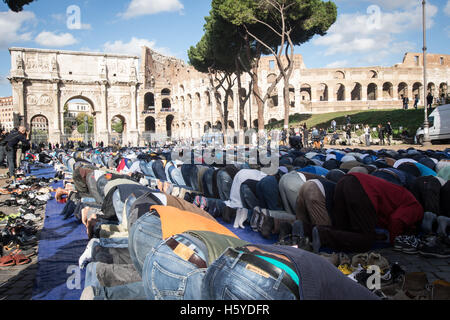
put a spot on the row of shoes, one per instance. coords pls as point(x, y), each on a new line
point(433, 246)
point(415, 286)
point(360, 261)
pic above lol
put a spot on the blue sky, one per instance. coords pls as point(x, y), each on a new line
point(367, 32)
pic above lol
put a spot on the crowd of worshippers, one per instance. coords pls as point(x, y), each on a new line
point(157, 226)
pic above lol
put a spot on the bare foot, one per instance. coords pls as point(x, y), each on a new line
point(160, 185)
point(84, 214)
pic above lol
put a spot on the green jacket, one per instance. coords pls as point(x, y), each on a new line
point(216, 243)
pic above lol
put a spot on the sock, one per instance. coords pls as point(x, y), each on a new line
point(86, 257)
point(241, 217)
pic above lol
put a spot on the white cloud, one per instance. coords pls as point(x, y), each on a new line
point(338, 64)
point(447, 8)
point(384, 4)
point(148, 7)
point(12, 26)
point(50, 39)
point(133, 47)
point(374, 32)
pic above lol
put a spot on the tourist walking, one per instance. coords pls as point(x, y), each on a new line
point(388, 131)
point(381, 134)
point(367, 135)
point(416, 102)
point(430, 99)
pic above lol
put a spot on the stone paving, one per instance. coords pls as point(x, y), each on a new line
point(16, 283)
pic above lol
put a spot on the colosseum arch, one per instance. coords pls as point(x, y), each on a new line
point(372, 90)
point(340, 92)
point(305, 93)
point(322, 92)
point(339, 75)
point(388, 91)
point(357, 91)
point(417, 89)
point(402, 90)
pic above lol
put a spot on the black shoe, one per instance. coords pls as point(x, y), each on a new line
point(229, 215)
point(285, 230)
point(435, 248)
point(267, 227)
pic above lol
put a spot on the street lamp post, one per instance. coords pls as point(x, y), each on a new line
point(86, 124)
point(426, 126)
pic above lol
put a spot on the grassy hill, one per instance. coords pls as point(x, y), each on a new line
point(410, 120)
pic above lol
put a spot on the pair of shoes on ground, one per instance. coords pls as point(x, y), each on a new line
point(429, 246)
point(294, 235)
point(431, 223)
point(415, 286)
point(262, 222)
point(16, 257)
point(336, 259)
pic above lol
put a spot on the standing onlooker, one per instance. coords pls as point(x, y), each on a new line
point(348, 120)
point(381, 134)
point(348, 131)
point(333, 125)
point(305, 136)
point(14, 139)
point(388, 131)
point(367, 135)
point(3, 135)
point(430, 99)
point(405, 102)
point(416, 101)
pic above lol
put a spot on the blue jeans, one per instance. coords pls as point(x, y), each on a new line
point(131, 291)
point(145, 234)
point(114, 242)
point(147, 169)
point(167, 276)
point(230, 279)
point(91, 279)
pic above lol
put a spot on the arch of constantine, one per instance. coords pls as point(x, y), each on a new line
point(159, 96)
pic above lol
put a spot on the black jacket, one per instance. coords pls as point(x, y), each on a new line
point(13, 139)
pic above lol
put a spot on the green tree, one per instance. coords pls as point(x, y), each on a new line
point(81, 123)
point(17, 5)
point(286, 24)
point(117, 125)
point(212, 56)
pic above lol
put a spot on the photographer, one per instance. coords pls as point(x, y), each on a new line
point(15, 140)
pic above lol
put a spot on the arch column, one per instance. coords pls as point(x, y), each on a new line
point(380, 92)
point(348, 93)
point(55, 124)
point(103, 131)
point(364, 94)
point(133, 133)
point(313, 93)
point(332, 93)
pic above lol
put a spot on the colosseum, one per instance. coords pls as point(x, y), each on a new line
point(160, 97)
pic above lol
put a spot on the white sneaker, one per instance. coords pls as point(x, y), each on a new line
point(88, 294)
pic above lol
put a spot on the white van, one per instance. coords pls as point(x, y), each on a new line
point(439, 121)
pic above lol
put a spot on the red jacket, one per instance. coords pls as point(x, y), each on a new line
point(397, 209)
